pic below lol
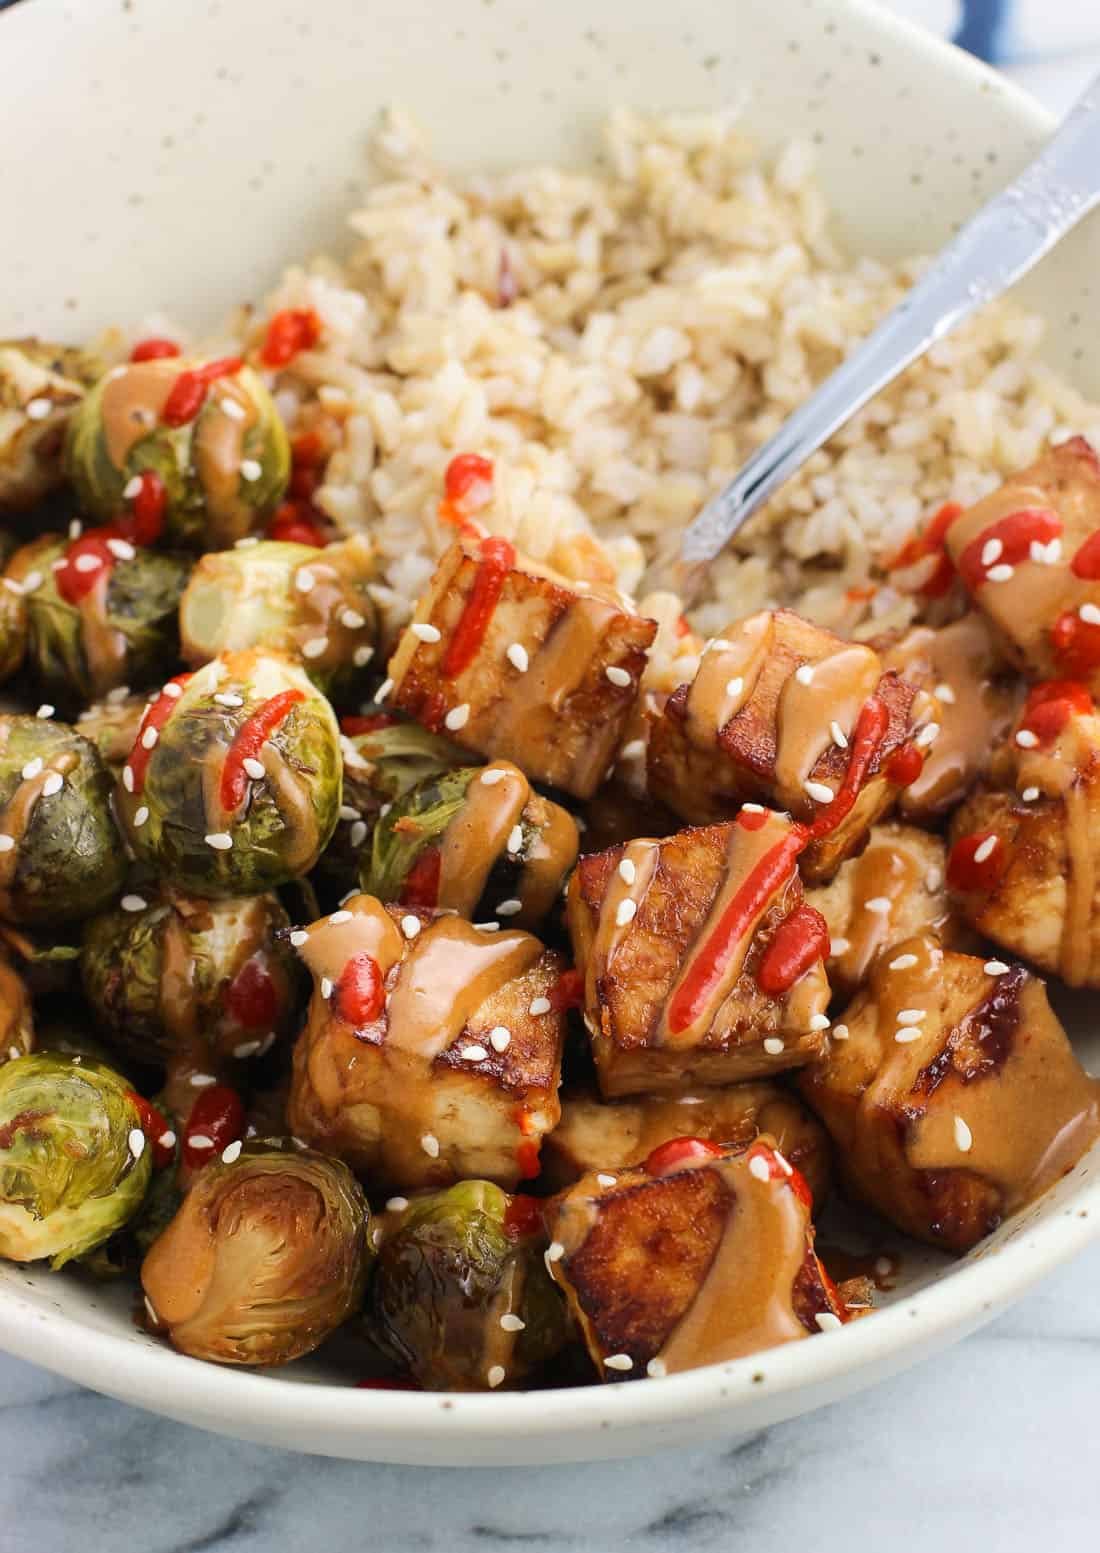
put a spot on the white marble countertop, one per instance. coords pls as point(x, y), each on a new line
point(991, 1447)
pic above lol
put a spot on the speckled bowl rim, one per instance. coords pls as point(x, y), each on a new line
point(453, 1428)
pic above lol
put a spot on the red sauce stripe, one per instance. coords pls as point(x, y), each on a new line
point(188, 393)
point(217, 1114)
point(250, 740)
point(800, 941)
point(1075, 643)
point(155, 717)
point(360, 995)
point(1015, 533)
point(154, 349)
point(288, 332)
point(870, 731)
point(498, 557)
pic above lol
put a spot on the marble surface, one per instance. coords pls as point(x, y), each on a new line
point(991, 1447)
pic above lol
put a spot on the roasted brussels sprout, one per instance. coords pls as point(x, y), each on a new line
point(16, 1016)
point(233, 785)
point(40, 386)
point(175, 980)
point(60, 857)
point(476, 840)
point(312, 605)
point(192, 453)
point(99, 612)
point(265, 1258)
point(461, 1294)
point(112, 725)
point(73, 1162)
point(13, 625)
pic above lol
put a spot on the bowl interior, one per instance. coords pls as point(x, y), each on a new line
point(181, 156)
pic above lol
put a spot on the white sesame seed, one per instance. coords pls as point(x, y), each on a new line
point(840, 1032)
point(220, 840)
point(430, 1144)
point(627, 911)
point(838, 946)
point(509, 908)
point(627, 871)
point(304, 580)
point(246, 1049)
point(118, 695)
point(753, 808)
point(1090, 614)
point(231, 1153)
point(487, 927)
point(316, 647)
point(396, 1204)
point(37, 409)
point(928, 735)
point(758, 1167)
point(495, 1376)
point(500, 1036)
point(457, 717)
point(985, 849)
point(53, 784)
point(347, 812)
point(617, 676)
point(1001, 573)
point(827, 1321)
point(473, 1054)
point(167, 1139)
point(605, 1180)
point(819, 1022)
point(17, 587)
point(251, 469)
point(45, 711)
point(964, 1138)
point(247, 542)
point(515, 839)
point(383, 691)
point(657, 1368)
point(133, 903)
point(879, 905)
point(172, 691)
point(518, 658)
point(555, 1251)
point(135, 1142)
point(819, 792)
point(32, 581)
point(945, 694)
point(32, 769)
point(7, 843)
point(340, 916)
point(735, 686)
point(840, 738)
point(149, 738)
point(1026, 739)
point(358, 833)
point(619, 1361)
point(539, 1006)
point(410, 926)
point(933, 879)
point(911, 1016)
point(230, 407)
point(635, 750)
point(352, 619)
point(992, 551)
point(425, 632)
point(87, 563)
point(121, 549)
point(326, 986)
point(199, 1140)
point(908, 1033)
point(774, 1046)
point(228, 698)
point(805, 674)
point(512, 1323)
point(492, 776)
point(201, 1080)
point(362, 656)
point(253, 768)
point(995, 968)
point(299, 937)
point(1029, 794)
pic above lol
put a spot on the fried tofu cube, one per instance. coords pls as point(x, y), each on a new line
point(603, 1136)
point(785, 713)
point(431, 1053)
point(699, 1255)
point(892, 890)
point(1030, 555)
point(511, 659)
point(956, 1098)
point(964, 666)
point(1024, 865)
point(699, 961)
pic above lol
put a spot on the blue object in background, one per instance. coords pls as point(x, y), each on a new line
point(981, 27)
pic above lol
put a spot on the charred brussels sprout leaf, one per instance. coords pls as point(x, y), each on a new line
point(221, 472)
point(112, 726)
point(311, 605)
point(16, 1016)
point(73, 1163)
point(89, 632)
point(447, 1273)
point(60, 857)
point(265, 1258)
point(40, 387)
point(13, 623)
point(172, 976)
point(233, 785)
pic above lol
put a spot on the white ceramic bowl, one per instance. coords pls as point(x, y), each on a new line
point(171, 154)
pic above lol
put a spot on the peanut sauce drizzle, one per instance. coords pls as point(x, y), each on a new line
point(739, 654)
point(891, 868)
point(105, 648)
point(841, 683)
point(645, 855)
point(132, 404)
point(217, 450)
point(18, 813)
point(477, 835)
point(549, 857)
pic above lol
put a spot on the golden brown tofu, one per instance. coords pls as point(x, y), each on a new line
point(697, 1256)
point(699, 961)
point(963, 665)
point(1030, 555)
point(785, 713)
point(1024, 866)
point(955, 1098)
point(893, 889)
point(598, 1135)
point(432, 1051)
point(513, 660)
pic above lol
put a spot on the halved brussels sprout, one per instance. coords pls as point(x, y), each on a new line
point(112, 725)
point(40, 387)
point(60, 857)
point(461, 1294)
point(13, 625)
point(16, 1015)
point(233, 785)
point(100, 612)
point(174, 979)
point(266, 1257)
point(73, 1163)
point(310, 604)
point(477, 840)
point(194, 452)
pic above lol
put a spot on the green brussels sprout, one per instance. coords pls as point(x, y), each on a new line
point(233, 786)
point(100, 613)
point(73, 1163)
point(198, 474)
point(476, 840)
point(112, 725)
point(46, 965)
point(455, 1264)
point(13, 625)
point(40, 387)
point(310, 604)
point(72, 1039)
point(265, 1258)
point(171, 978)
point(16, 1015)
point(60, 857)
